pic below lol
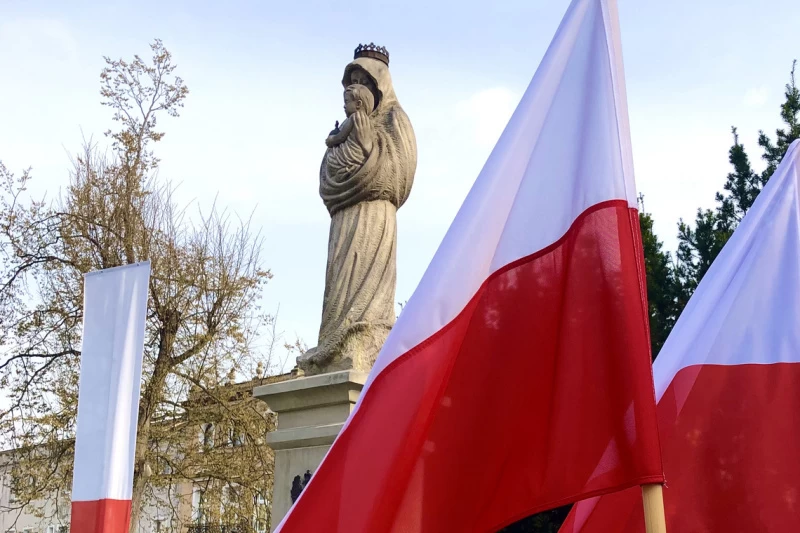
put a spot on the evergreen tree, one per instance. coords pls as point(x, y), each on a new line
point(790, 113)
point(700, 244)
point(742, 185)
point(661, 284)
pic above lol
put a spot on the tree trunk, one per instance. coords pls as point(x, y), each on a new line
point(127, 213)
point(147, 405)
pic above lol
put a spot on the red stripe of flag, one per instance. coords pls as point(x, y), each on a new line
point(518, 376)
point(507, 410)
point(728, 381)
point(101, 516)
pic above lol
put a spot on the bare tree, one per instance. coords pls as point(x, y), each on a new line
point(203, 317)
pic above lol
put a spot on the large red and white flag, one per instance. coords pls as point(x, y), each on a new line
point(728, 383)
point(524, 349)
point(114, 313)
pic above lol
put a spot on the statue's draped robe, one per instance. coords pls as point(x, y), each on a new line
point(362, 197)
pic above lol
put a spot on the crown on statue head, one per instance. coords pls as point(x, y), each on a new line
point(372, 50)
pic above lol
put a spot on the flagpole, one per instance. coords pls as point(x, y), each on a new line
point(653, 498)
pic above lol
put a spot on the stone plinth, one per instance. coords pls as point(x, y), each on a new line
point(311, 412)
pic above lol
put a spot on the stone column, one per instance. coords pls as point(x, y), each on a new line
point(311, 412)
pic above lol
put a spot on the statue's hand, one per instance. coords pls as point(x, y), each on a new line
point(362, 129)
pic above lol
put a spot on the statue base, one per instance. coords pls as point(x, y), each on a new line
point(311, 413)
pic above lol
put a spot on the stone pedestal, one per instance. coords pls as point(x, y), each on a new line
point(311, 412)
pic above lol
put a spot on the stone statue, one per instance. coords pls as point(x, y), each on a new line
point(365, 176)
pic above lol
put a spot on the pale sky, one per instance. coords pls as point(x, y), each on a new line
point(264, 80)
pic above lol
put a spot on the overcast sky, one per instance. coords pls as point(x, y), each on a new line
point(264, 80)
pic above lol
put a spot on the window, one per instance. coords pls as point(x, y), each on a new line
point(230, 503)
point(207, 435)
point(235, 436)
point(260, 514)
point(166, 468)
point(6, 487)
point(233, 495)
point(160, 525)
point(199, 505)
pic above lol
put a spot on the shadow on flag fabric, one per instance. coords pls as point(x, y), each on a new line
point(115, 309)
point(524, 350)
point(728, 386)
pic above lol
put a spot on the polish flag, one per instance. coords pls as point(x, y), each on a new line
point(114, 313)
point(525, 348)
point(728, 386)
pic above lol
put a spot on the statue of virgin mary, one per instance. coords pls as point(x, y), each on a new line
point(362, 190)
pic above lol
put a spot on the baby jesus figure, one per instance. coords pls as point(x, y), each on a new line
point(351, 142)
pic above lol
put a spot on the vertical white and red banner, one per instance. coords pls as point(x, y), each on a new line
point(114, 314)
point(518, 376)
point(728, 386)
